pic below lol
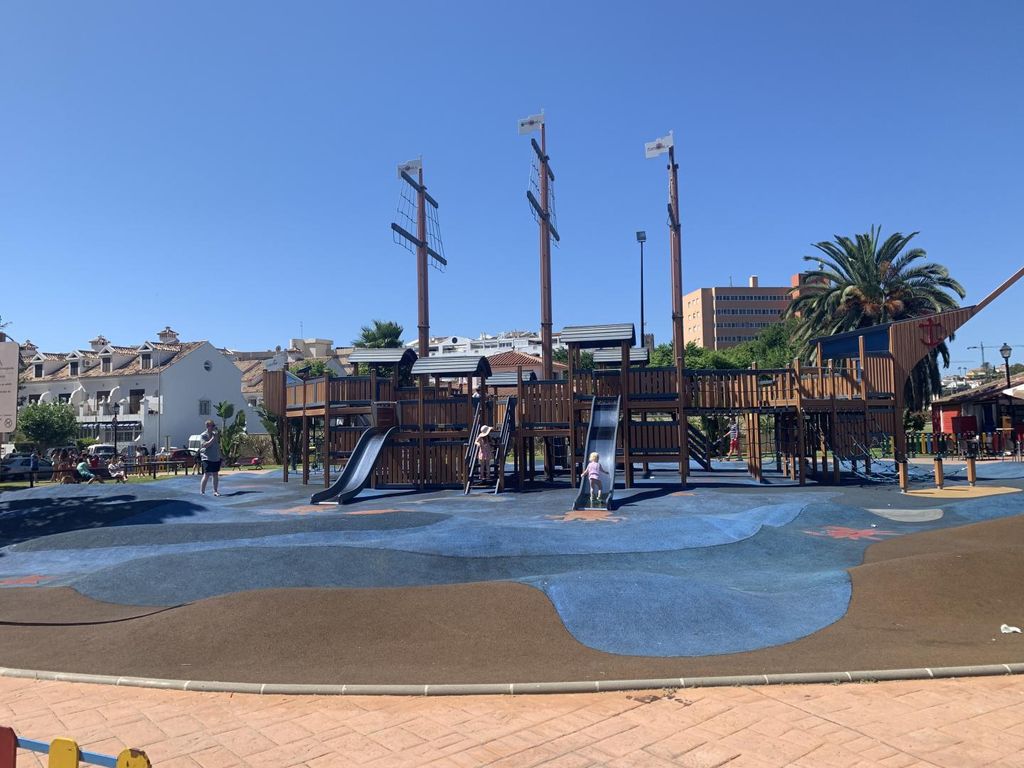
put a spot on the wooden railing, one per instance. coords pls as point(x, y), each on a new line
point(743, 389)
point(546, 402)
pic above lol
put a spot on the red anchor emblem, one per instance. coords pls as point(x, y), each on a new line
point(933, 333)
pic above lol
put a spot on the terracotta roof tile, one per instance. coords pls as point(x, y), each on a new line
point(131, 367)
point(513, 358)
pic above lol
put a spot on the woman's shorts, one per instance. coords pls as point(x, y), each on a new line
point(211, 467)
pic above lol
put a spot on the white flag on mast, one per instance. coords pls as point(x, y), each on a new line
point(658, 146)
point(410, 167)
point(531, 123)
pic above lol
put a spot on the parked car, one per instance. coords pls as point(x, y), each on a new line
point(184, 455)
point(104, 451)
point(18, 469)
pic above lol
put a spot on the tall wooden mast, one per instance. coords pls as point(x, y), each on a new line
point(422, 292)
point(426, 243)
point(543, 213)
point(654, 149)
point(545, 261)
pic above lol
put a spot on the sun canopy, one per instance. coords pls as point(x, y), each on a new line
point(386, 356)
point(452, 365)
point(597, 336)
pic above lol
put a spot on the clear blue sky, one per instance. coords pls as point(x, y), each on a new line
point(228, 168)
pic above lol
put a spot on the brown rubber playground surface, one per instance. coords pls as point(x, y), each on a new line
point(929, 599)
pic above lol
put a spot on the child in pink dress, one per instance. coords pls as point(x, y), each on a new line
point(593, 471)
point(485, 452)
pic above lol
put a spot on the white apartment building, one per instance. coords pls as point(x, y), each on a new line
point(486, 344)
point(161, 392)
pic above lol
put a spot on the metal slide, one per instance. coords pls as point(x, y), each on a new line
point(358, 469)
point(602, 434)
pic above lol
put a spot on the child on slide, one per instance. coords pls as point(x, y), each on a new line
point(594, 470)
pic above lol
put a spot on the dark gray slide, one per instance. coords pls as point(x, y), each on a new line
point(602, 434)
point(360, 466)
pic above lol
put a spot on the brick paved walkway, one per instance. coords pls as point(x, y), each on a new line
point(954, 723)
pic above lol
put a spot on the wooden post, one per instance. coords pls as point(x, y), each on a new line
point(519, 443)
point(482, 392)
point(570, 386)
point(627, 459)
point(327, 438)
point(285, 440)
point(972, 471)
point(939, 479)
point(305, 445)
point(901, 469)
point(421, 472)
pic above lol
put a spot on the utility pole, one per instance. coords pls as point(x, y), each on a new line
point(543, 212)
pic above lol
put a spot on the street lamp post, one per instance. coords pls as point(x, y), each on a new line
point(641, 237)
point(1005, 351)
point(116, 407)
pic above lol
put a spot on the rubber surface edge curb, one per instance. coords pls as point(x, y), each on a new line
point(513, 689)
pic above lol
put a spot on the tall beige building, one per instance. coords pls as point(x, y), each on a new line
point(717, 318)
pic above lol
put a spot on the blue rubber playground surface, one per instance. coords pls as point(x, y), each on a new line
point(724, 567)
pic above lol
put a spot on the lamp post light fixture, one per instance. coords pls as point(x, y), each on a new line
point(641, 237)
point(1005, 351)
point(116, 408)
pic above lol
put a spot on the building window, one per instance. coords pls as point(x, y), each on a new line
point(106, 366)
point(39, 371)
point(64, 397)
point(135, 400)
point(207, 365)
point(33, 399)
point(73, 368)
point(204, 407)
point(147, 361)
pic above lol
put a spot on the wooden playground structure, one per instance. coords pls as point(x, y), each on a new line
point(810, 421)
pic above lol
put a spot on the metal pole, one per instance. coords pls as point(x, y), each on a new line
point(1006, 363)
point(545, 262)
point(421, 269)
point(643, 332)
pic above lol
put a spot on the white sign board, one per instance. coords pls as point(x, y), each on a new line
point(8, 386)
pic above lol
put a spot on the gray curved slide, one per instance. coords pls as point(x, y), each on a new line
point(360, 466)
point(602, 434)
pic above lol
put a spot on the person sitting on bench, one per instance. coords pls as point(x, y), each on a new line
point(85, 473)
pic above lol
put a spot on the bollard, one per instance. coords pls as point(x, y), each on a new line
point(8, 747)
point(972, 471)
point(133, 758)
point(901, 468)
point(938, 472)
point(64, 753)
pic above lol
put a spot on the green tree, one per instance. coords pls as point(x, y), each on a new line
point(272, 424)
point(311, 369)
point(863, 281)
point(773, 347)
point(586, 358)
point(695, 358)
point(380, 334)
point(47, 425)
point(232, 436)
point(661, 356)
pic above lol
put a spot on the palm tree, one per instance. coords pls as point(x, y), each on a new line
point(381, 334)
point(862, 282)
